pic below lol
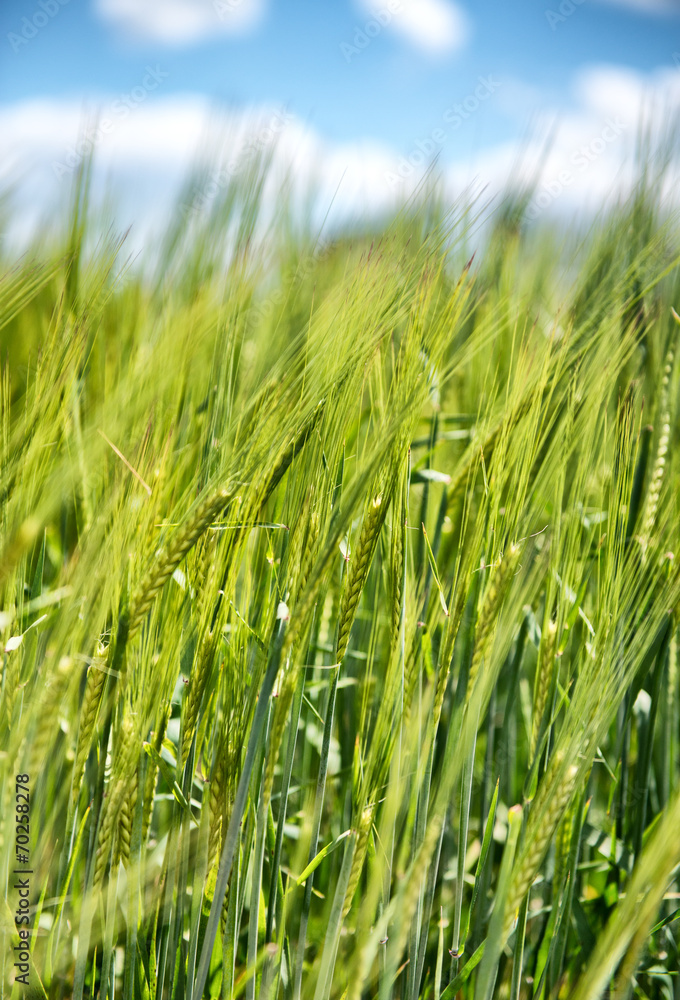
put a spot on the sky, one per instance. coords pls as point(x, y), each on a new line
point(354, 97)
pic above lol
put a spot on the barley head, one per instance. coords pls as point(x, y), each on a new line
point(488, 613)
point(359, 566)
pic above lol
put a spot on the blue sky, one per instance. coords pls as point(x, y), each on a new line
point(578, 63)
point(292, 55)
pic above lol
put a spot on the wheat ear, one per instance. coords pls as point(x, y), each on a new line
point(360, 847)
point(359, 566)
point(538, 838)
point(123, 768)
point(94, 686)
point(167, 561)
point(127, 812)
point(217, 799)
point(488, 614)
point(543, 679)
point(656, 481)
point(194, 694)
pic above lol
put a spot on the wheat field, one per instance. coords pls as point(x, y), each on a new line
point(339, 606)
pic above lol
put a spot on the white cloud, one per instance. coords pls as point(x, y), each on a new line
point(618, 90)
point(166, 136)
point(597, 143)
point(181, 22)
point(46, 132)
point(148, 149)
point(435, 26)
point(591, 157)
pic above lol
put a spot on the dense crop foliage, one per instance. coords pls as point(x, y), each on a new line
point(339, 605)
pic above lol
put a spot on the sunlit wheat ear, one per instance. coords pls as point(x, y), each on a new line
point(488, 613)
point(309, 550)
point(119, 785)
point(142, 600)
point(194, 694)
point(123, 837)
point(218, 799)
point(11, 678)
point(562, 846)
point(446, 652)
point(538, 836)
point(398, 557)
point(168, 560)
point(94, 686)
point(359, 855)
point(412, 661)
point(296, 546)
point(658, 469)
point(359, 565)
point(544, 673)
